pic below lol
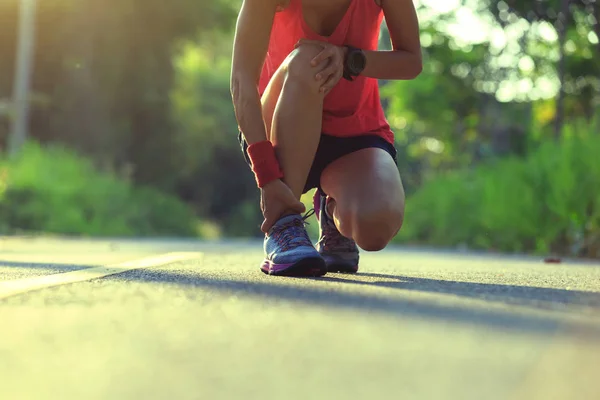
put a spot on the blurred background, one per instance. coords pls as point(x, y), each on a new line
point(116, 120)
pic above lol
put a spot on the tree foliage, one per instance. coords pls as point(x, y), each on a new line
point(103, 73)
point(577, 23)
point(496, 96)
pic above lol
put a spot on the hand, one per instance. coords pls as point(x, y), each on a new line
point(277, 198)
point(334, 70)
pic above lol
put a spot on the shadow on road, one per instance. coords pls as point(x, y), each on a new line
point(393, 306)
point(537, 297)
point(332, 292)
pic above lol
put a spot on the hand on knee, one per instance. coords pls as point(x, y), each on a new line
point(300, 71)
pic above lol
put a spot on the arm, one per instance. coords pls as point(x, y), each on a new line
point(251, 42)
point(404, 61)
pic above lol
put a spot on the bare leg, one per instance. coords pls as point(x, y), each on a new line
point(293, 112)
point(368, 197)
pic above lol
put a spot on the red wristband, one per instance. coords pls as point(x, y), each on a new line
point(264, 163)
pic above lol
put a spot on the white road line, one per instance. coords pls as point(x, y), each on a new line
point(19, 286)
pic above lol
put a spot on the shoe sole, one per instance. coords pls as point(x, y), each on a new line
point(338, 264)
point(342, 268)
point(312, 266)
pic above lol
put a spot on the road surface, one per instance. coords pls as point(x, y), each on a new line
point(128, 319)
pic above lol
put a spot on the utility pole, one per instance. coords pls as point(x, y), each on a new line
point(562, 22)
point(23, 70)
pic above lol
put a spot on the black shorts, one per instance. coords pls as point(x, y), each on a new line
point(330, 149)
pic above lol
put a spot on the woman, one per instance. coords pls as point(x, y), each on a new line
point(305, 92)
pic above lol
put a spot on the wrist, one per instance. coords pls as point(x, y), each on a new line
point(270, 184)
point(345, 51)
point(264, 163)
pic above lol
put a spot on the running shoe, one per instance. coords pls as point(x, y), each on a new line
point(339, 252)
point(289, 250)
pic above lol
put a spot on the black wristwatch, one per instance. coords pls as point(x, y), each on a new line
point(354, 63)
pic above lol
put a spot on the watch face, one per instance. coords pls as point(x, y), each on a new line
point(357, 62)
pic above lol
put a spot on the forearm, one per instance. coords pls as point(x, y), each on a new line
point(392, 65)
point(248, 110)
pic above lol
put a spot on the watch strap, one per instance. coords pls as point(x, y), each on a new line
point(350, 50)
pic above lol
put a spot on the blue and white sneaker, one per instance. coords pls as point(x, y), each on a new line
point(339, 252)
point(289, 251)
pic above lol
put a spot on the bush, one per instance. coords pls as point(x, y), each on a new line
point(56, 191)
point(547, 202)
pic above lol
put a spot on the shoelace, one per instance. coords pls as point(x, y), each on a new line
point(293, 233)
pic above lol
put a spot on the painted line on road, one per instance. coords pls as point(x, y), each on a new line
point(20, 286)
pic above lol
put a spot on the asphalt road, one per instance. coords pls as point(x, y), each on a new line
point(206, 324)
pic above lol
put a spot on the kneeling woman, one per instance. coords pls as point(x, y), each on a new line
point(306, 97)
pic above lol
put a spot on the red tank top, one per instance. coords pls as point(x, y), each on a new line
point(350, 108)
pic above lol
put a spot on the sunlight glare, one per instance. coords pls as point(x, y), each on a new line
point(442, 6)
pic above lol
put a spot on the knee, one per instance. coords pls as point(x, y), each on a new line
point(299, 69)
point(374, 229)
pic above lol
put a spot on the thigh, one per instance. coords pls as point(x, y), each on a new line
point(269, 100)
point(365, 181)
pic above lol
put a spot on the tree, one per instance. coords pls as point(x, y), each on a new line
point(103, 73)
point(577, 23)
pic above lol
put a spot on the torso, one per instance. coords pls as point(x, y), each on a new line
point(351, 108)
point(323, 17)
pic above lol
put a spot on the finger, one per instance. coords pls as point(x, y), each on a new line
point(331, 82)
point(324, 55)
point(327, 72)
point(272, 214)
point(264, 228)
point(328, 52)
point(298, 207)
point(267, 224)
